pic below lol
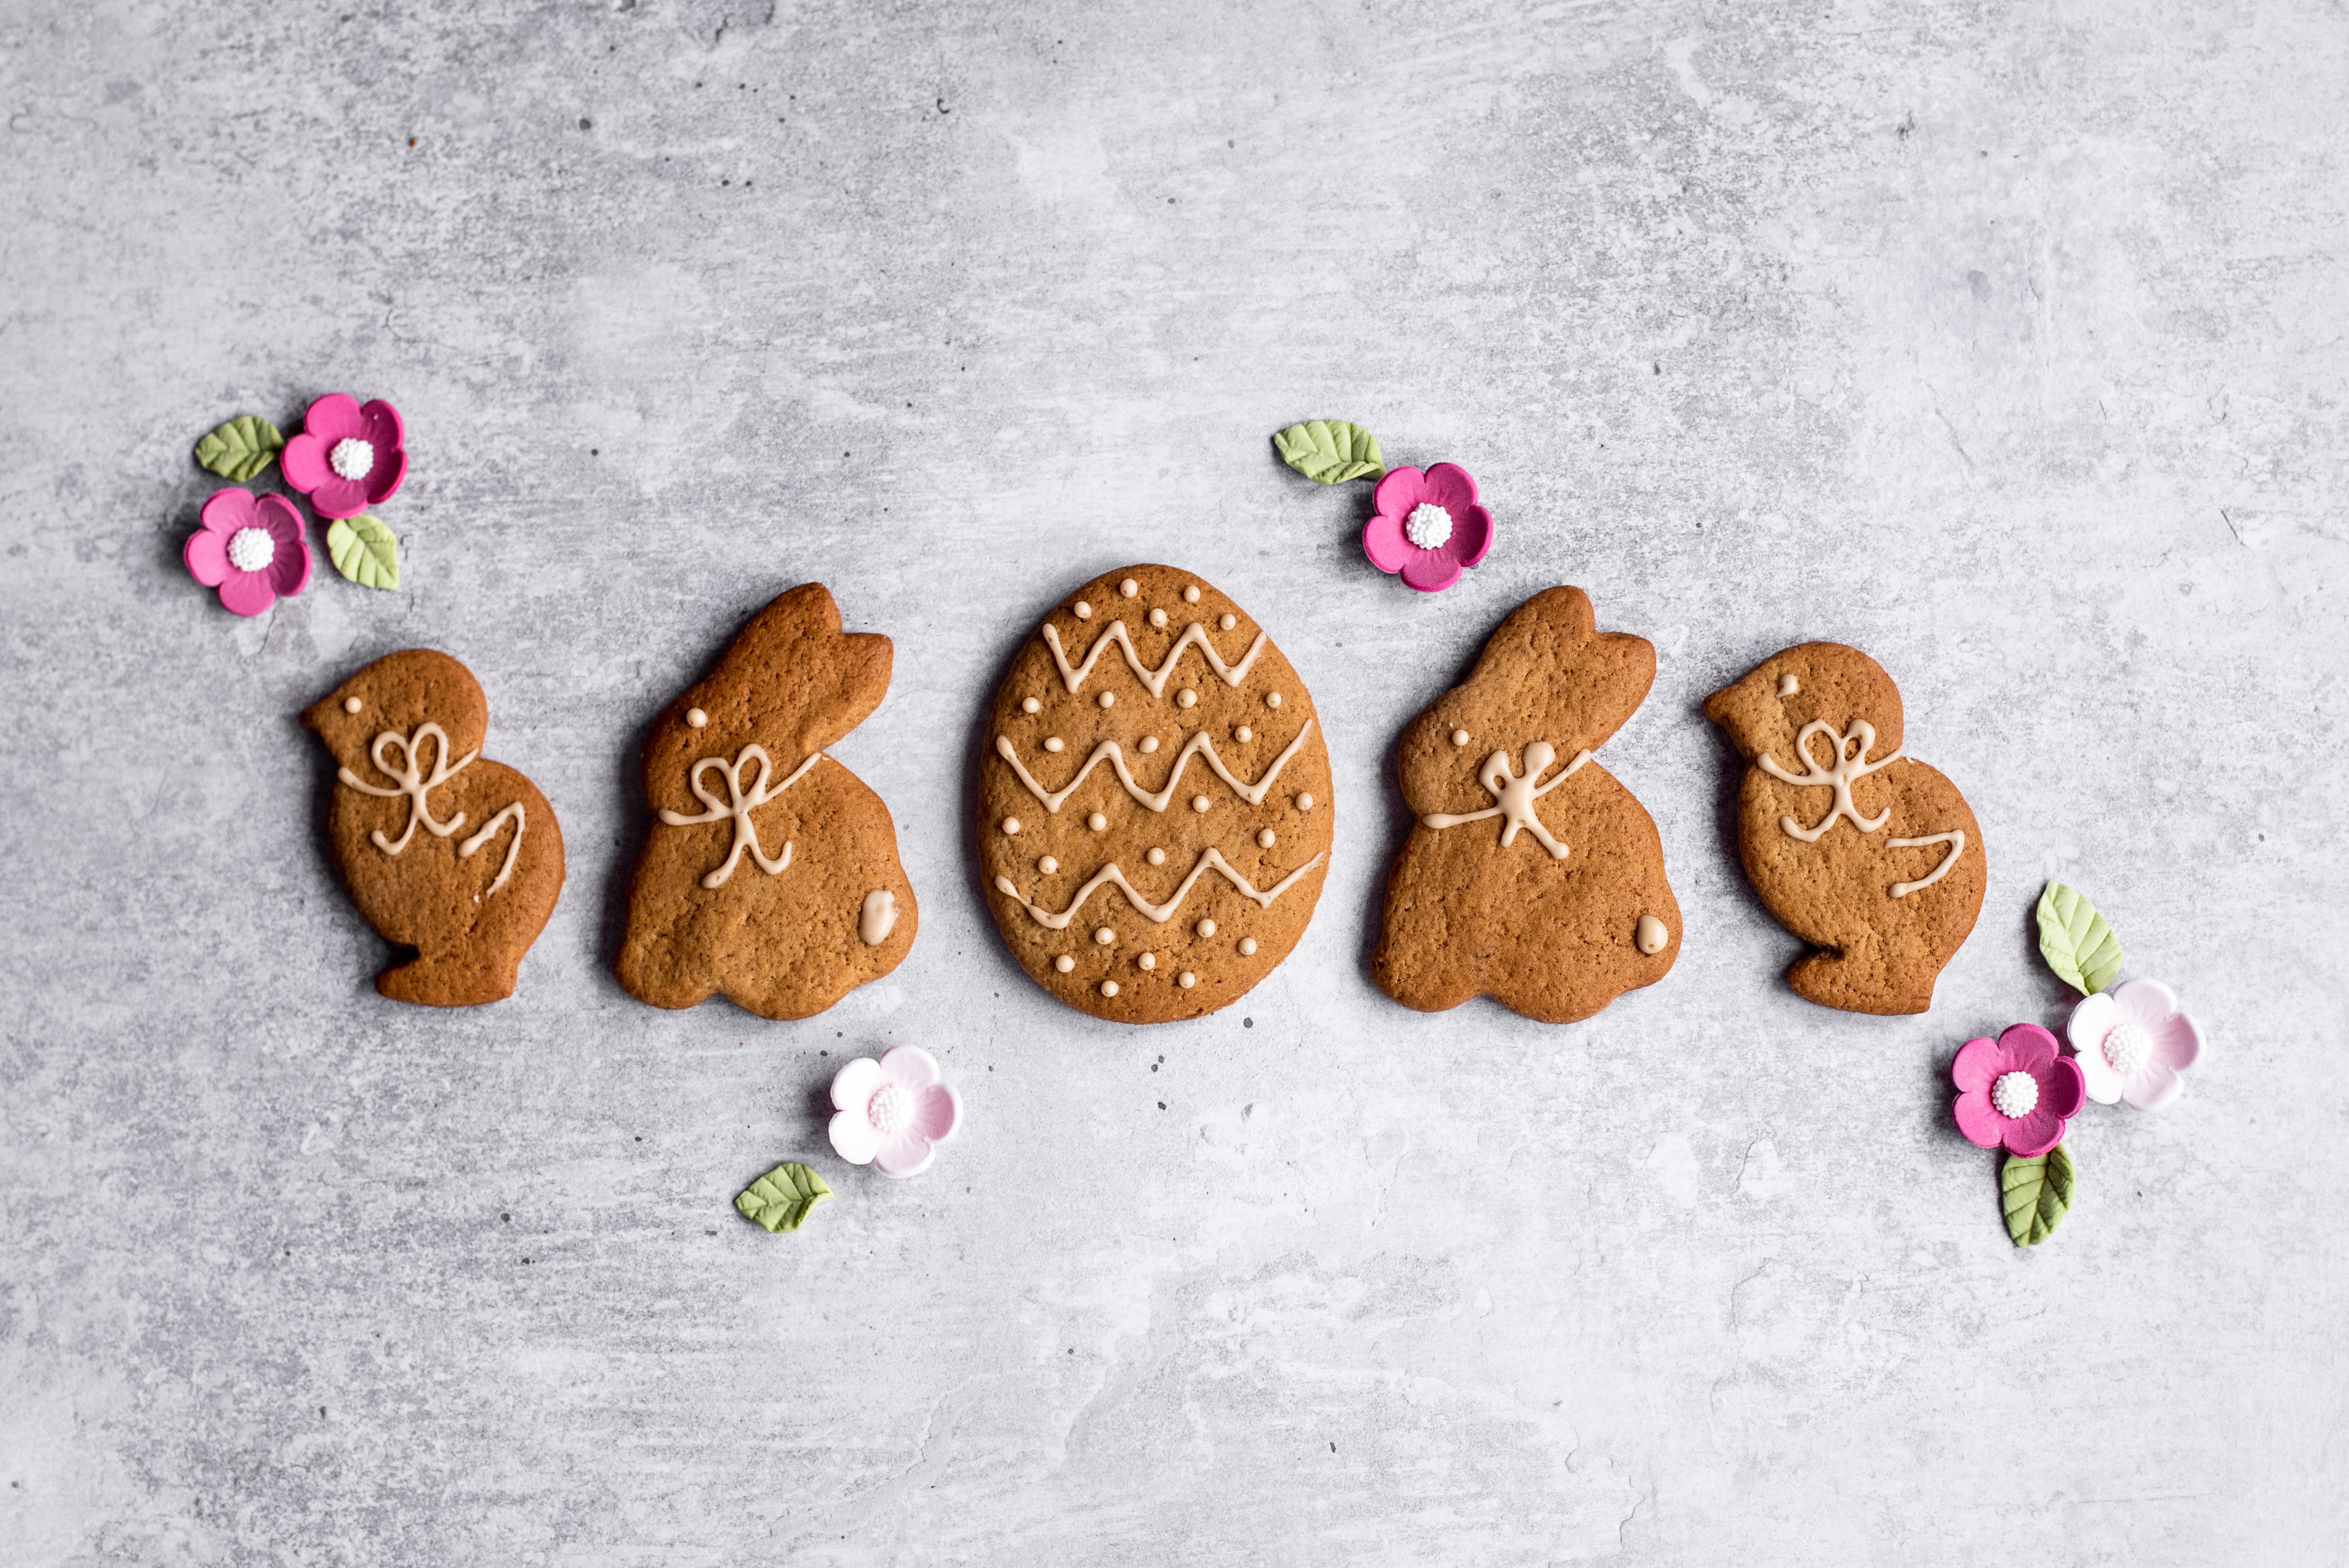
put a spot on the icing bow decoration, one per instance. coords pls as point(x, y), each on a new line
point(1849, 767)
point(738, 805)
point(412, 782)
point(347, 457)
point(1425, 527)
point(1515, 794)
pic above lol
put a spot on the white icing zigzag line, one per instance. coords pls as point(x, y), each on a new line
point(1160, 913)
point(1516, 794)
point(1233, 674)
point(739, 807)
point(1252, 794)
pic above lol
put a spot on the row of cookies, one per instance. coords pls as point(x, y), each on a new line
point(1157, 818)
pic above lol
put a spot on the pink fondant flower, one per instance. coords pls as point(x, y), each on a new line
point(347, 458)
point(1428, 526)
point(2134, 1044)
point(250, 548)
point(2018, 1090)
point(892, 1113)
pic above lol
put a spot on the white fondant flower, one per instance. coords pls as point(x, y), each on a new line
point(2134, 1044)
point(893, 1114)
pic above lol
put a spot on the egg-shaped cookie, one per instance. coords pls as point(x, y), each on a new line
point(1153, 800)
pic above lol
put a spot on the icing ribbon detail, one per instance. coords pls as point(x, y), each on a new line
point(1233, 674)
point(1955, 838)
point(738, 805)
point(1848, 769)
point(412, 782)
point(1515, 794)
point(465, 848)
point(1108, 751)
point(1209, 860)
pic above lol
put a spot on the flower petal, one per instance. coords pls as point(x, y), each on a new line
point(1384, 542)
point(2176, 1042)
point(911, 1068)
point(2153, 1087)
point(384, 479)
point(380, 427)
point(2062, 1088)
point(1977, 1067)
point(339, 497)
point(1430, 571)
point(2145, 1002)
point(247, 592)
point(908, 1153)
point(938, 1113)
point(1472, 536)
point(226, 511)
point(289, 569)
point(853, 1085)
point(1449, 486)
point(2092, 1018)
point(2035, 1133)
point(2099, 1080)
point(1978, 1120)
point(332, 418)
point(207, 557)
point(2027, 1048)
point(853, 1136)
point(1399, 491)
point(302, 461)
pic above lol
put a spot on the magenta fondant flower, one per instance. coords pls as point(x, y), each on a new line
point(250, 548)
point(1428, 526)
point(892, 1113)
point(2018, 1090)
point(348, 457)
point(2134, 1044)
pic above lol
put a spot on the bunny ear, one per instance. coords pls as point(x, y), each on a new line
point(1577, 683)
point(796, 681)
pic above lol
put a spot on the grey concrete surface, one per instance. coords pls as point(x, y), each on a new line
point(2004, 342)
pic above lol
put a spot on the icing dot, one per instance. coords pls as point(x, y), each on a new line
point(1054, 743)
point(1459, 737)
point(2127, 1046)
point(1156, 856)
point(1064, 964)
point(1029, 705)
point(251, 549)
point(1129, 588)
point(1191, 593)
point(352, 704)
point(1272, 699)
point(1248, 947)
point(1305, 800)
point(1149, 744)
point(1198, 803)
point(1158, 618)
point(1084, 611)
point(2015, 1095)
point(890, 1108)
point(1187, 980)
point(1097, 822)
point(1788, 685)
point(1109, 988)
point(1010, 824)
point(696, 718)
point(1148, 960)
point(1048, 866)
point(1244, 734)
point(1268, 838)
point(1206, 927)
point(1428, 525)
point(1109, 699)
point(1187, 697)
point(1104, 936)
point(351, 458)
point(1650, 935)
point(1229, 622)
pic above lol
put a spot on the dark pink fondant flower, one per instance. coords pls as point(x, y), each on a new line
point(2017, 1090)
point(348, 457)
point(250, 548)
point(1428, 526)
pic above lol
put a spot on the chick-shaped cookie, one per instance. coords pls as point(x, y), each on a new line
point(770, 874)
point(1867, 855)
point(443, 850)
point(1531, 876)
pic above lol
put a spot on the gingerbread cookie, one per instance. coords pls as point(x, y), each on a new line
point(1153, 800)
point(1531, 876)
point(770, 873)
point(1884, 872)
point(473, 890)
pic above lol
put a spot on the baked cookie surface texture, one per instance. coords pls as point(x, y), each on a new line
point(769, 875)
point(441, 849)
point(1531, 876)
point(1864, 853)
point(1153, 800)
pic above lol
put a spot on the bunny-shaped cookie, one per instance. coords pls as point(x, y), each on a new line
point(1860, 851)
point(1531, 876)
point(443, 850)
point(770, 874)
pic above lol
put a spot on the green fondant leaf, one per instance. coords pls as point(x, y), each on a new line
point(783, 1198)
point(2076, 941)
point(1330, 451)
point(2036, 1193)
point(365, 551)
point(240, 448)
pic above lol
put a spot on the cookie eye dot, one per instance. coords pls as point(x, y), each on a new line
point(1248, 947)
point(1129, 588)
point(696, 718)
point(1788, 685)
point(1064, 964)
point(1156, 856)
point(1459, 737)
point(1029, 705)
point(352, 704)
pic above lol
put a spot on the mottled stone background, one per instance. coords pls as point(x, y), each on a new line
point(2007, 343)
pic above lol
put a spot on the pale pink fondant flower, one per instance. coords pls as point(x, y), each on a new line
point(348, 457)
point(892, 1113)
point(2134, 1044)
point(2018, 1090)
point(1428, 526)
point(250, 548)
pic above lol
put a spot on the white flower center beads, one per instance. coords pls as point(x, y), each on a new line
point(2127, 1046)
point(351, 458)
point(890, 1108)
point(2014, 1095)
point(251, 549)
point(1428, 525)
